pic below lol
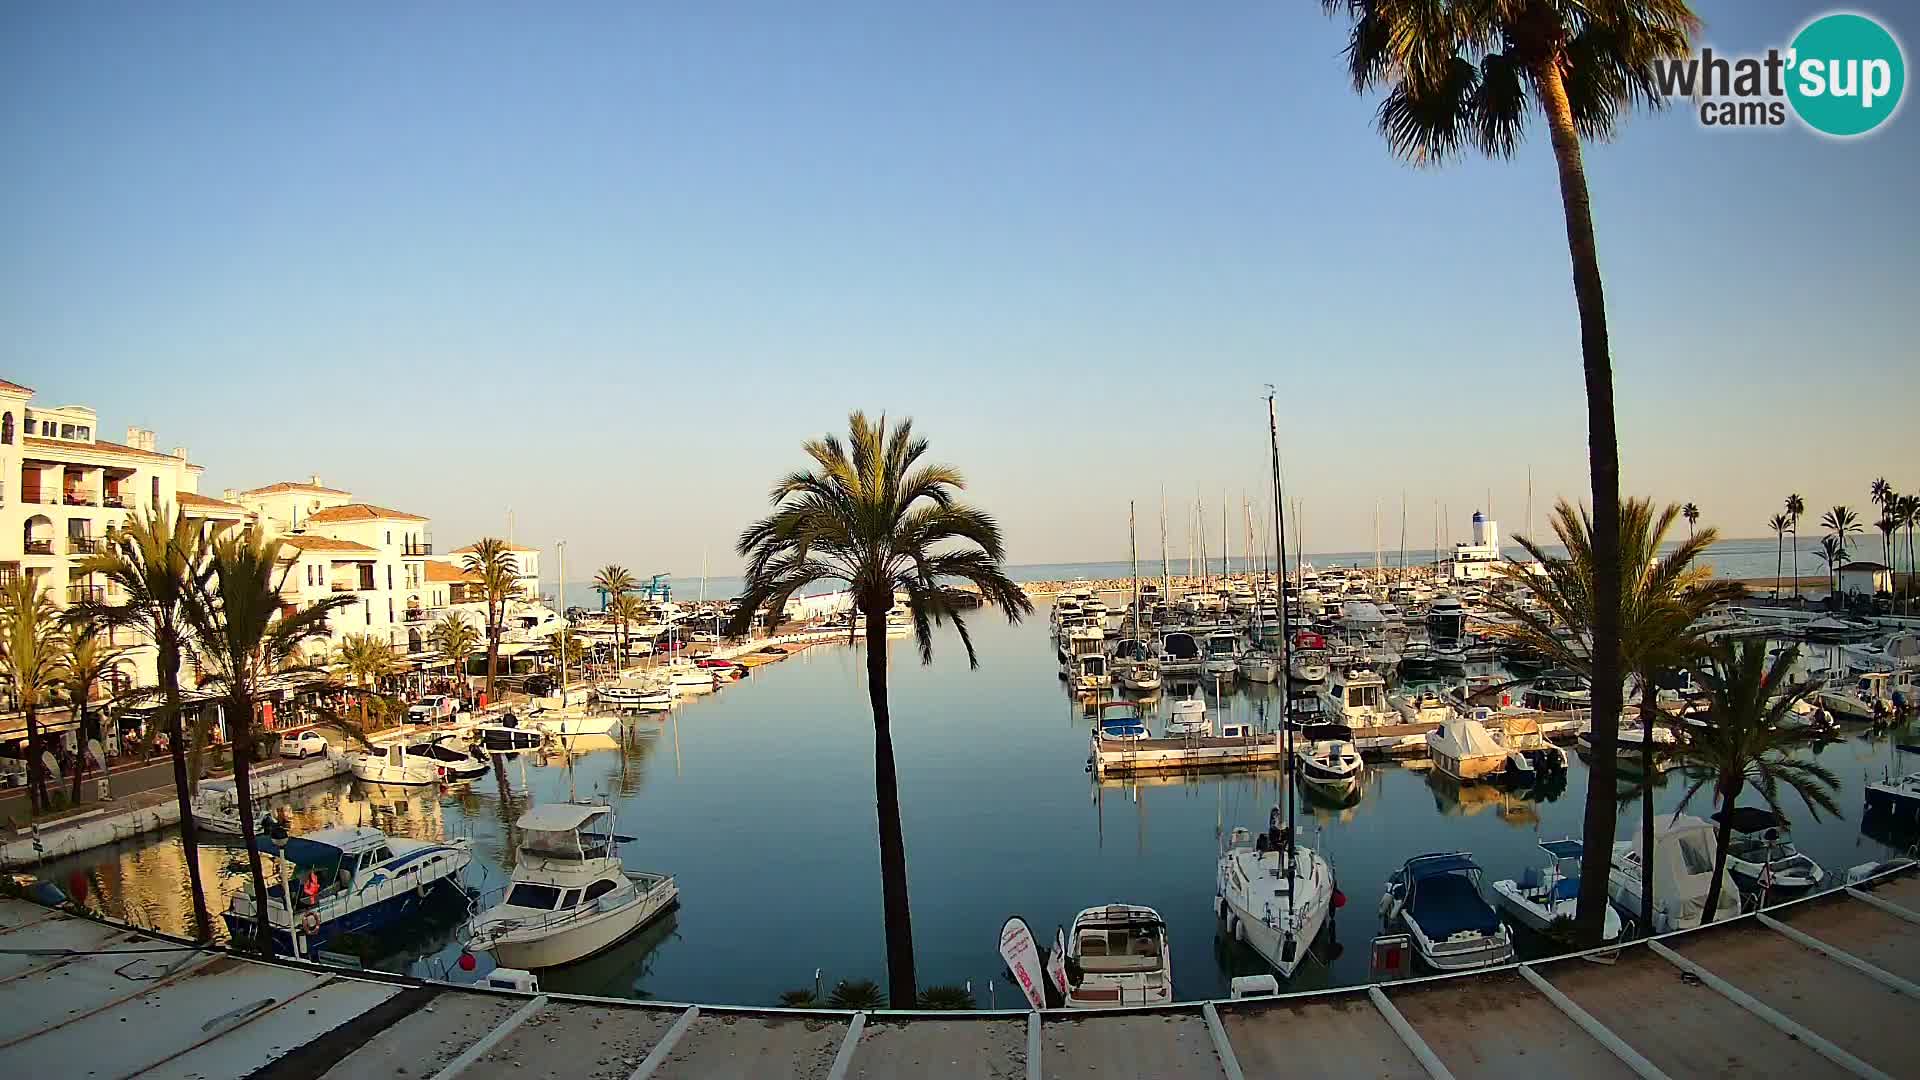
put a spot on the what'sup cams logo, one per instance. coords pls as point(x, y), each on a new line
point(1843, 75)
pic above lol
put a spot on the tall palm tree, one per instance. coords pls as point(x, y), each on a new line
point(612, 580)
point(1795, 506)
point(1779, 523)
point(1747, 740)
point(454, 638)
point(1908, 509)
point(84, 670)
point(869, 515)
point(242, 636)
point(1885, 498)
point(1692, 514)
point(493, 563)
point(1464, 76)
point(33, 652)
point(367, 660)
point(154, 562)
point(1833, 555)
point(1663, 600)
point(627, 610)
point(1840, 522)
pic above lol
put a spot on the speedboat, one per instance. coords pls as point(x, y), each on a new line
point(1223, 655)
point(1260, 666)
point(1188, 717)
point(637, 698)
point(507, 736)
point(349, 880)
point(570, 896)
point(394, 765)
point(1274, 912)
point(1531, 759)
point(1120, 721)
point(1421, 707)
point(1761, 855)
point(1328, 763)
point(216, 807)
point(1436, 900)
point(1683, 849)
point(1896, 798)
point(1117, 957)
point(456, 759)
point(1549, 894)
point(686, 679)
point(1462, 748)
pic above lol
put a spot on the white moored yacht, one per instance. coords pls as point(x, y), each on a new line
point(1357, 698)
point(1545, 894)
point(1274, 916)
point(393, 765)
point(1682, 875)
point(1117, 957)
point(570, 896)
point(1329, 763)
point(1462, 748)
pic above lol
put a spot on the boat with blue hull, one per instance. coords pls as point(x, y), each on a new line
point(349, 880)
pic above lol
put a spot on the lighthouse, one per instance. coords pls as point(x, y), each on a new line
point(1486, 532)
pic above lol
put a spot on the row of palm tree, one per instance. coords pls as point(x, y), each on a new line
point(492, 564)
point(616, 586)
point(1841, 524)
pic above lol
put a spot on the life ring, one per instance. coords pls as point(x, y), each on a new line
point(310, 922)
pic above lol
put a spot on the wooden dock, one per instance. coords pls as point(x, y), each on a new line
point(1128, 757)
point(1819, 987)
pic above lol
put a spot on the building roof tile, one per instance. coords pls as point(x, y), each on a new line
point(273, 489)
point(324, 543)
point(359, 512)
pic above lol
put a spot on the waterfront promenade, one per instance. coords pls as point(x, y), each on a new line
point(1827, 986)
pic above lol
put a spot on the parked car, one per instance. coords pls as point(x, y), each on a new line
point(302, 744)
point(539, 685)
point(433, 709)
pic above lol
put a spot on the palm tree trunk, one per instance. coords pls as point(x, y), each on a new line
point(1730, 788)
point(1779, 539)
point(36, 764)
point(1649, 694)
point(493, 652)
point(240, 721)
point(1603, 452)
point(169, 660)
point(1796, 563)
point(901, 987)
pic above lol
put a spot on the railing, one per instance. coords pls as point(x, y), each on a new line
point(81, 498)
point(82, 545)
point(417, 547)
point(118, 502)
point(417, 615)
point(39, 547)
point(86, 594)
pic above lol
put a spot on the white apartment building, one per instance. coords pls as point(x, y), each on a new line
point(62, 488)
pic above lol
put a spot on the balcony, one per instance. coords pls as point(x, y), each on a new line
point(9, 575)
point(81, 498)
point(417, 547)
point(118, 502)
point(39, 547)
point(82, 545)
point(86, 594)
point(417, 615)
point(343, 586)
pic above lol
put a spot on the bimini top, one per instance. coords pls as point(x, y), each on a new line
point(1426, 866)
point(1563, 849)
point(559, 817)
point(1751, 819)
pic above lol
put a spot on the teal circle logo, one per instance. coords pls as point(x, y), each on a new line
point(1847, 74)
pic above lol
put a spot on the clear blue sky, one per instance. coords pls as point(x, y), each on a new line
point(609, 265)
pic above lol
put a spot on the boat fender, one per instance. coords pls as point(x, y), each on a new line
point(1240, 931)
point(310, 922)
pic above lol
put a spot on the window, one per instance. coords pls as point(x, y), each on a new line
point(83, 432)
point(569, 900)
point(366, 612)
point(66, 431)
point(527, 894)
point(389, 585)
point(156, 491)
point(380, 855)
point(389, 537)
point(599, 889)
point(30, 426)
point(6, 428)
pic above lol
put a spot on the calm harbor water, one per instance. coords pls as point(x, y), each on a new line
point(760, 800)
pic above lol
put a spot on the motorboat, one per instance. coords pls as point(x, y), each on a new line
point(691, 681)
point(637, 698)
point(1761, 855)
point(1446, 619)
point(1895, 798)
point(508, 736)
point(1119, 721)
point(456, 758)
point(1683, 848)
point(1328, 763)
point(1117, 957)
point(1357, 698)
point(1544, 895)
point(570, 896)
point(1436, 900)
point(1362, 617)
point(1420, 706)
point(1871, 697)
point(1142, 675)
point(1828, 628)
point(1308, 662)
point(1630, 746)
point(348, 880)
point(1273, 896)
point(573, 720)
point(393, 765)
point(1461, 747)
point(1531, 760)
point(216, 807)
point(1259, 666)
point(1188, 717)
point(1090, 672)
point(1222, 655)
point(1179, 655)
point(1416, 660)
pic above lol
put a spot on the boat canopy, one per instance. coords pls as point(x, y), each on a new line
point(1748, 819)
point(1428, 866)
point(559, 817)
point(1563, 849)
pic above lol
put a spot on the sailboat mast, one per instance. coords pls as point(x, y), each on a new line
point(1226, 543)
point(1286, 645)
point(1403, 534)
point(1133, 551)
point(1166, 574)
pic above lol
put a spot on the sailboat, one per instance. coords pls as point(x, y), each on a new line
point(1273, 894)
point(1141, 671)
